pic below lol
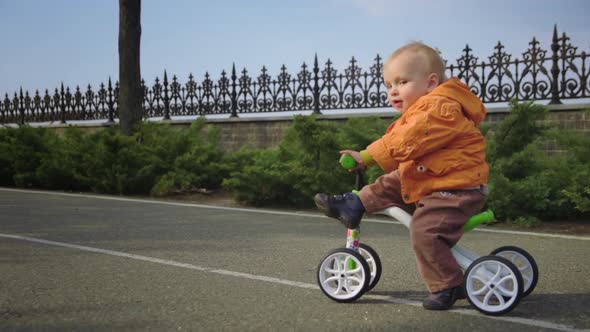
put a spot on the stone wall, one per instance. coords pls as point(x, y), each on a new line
point(258, 133)
point(570, 117)
point(267, 131)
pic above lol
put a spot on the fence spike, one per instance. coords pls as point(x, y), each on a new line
point(494, 78)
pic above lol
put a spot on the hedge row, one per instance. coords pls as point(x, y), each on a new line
point(527, 185)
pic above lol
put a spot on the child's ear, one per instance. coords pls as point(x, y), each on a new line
point(433, 81)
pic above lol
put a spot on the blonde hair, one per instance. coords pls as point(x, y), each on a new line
point(434, 60)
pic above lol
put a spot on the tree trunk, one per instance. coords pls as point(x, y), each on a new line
point(130, 93)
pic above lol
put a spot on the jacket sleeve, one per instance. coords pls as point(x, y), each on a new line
point(431, 126)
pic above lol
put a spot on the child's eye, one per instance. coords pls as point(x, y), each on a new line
point(402, 82)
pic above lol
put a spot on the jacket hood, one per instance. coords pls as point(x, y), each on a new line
point(459, 92)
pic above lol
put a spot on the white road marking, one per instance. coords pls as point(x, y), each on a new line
point(275, 212)
point(161, 261)
point(391, 299)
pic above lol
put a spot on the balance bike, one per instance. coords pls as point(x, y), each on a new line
point(494, 284)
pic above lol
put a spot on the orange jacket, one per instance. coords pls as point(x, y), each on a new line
point(436, 143)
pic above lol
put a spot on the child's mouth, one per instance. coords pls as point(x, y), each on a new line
point(397, 103)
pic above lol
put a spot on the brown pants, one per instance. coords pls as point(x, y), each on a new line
point(437, 225)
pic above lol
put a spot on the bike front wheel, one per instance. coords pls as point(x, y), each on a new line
point(343, 275)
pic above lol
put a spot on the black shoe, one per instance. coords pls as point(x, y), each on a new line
point(444, 299)
point(460, 293)
point(347, 208)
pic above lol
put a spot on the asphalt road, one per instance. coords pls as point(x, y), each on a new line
point(96, 263)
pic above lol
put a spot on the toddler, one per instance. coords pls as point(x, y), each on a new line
point(433, 158)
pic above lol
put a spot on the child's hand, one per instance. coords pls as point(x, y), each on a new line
point(360, 164)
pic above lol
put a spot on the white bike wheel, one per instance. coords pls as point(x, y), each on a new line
point(343, 275)
point(374, 262)
point(493, 285)
point(524, 262)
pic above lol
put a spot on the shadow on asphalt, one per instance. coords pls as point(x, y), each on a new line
point(552, 307)
point(406, 295)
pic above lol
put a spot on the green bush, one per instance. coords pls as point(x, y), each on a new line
point(291, 173)
point(6, 156)
point(305, 162)
point(118, 164)
point(62, 166)
point(358, 133)
point(190, 159)
point(261, 181)
point(520, 128)
point(527, 184)
point(157, 159)
point(576, 162)
point(21, 153)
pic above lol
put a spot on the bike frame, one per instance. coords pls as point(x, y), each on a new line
point(463, 256)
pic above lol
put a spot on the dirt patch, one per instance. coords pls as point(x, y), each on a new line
point(218, 198)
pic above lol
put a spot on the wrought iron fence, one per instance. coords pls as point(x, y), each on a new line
point(539, 74)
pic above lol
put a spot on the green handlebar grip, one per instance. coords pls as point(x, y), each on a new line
point(347, 161)
point(478, 219)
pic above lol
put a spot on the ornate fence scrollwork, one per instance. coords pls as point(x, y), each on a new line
point(538, 74)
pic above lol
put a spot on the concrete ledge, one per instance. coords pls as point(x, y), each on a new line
point(552, 108)
point(346, 114)
point(340, 114)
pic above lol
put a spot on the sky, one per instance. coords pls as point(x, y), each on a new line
point(44, 43)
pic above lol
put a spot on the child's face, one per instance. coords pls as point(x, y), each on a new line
point(407, 79)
